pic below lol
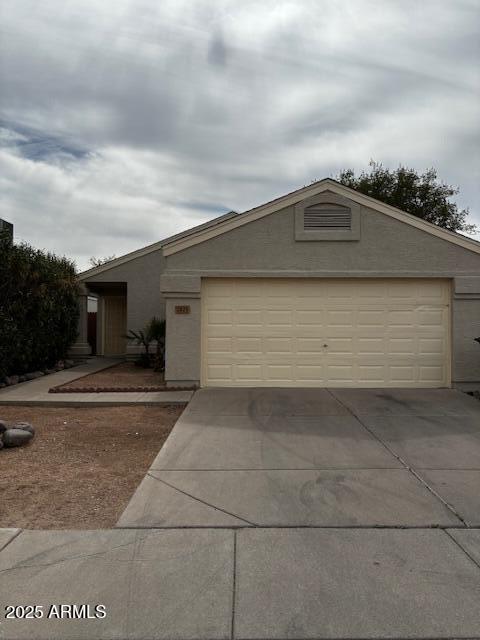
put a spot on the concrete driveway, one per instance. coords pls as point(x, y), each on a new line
point(315, 457)
point(275, 513)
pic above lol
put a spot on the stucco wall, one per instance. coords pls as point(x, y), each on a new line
point(466, 326)
point(386, 245)
point(182, 356)
point(387, 248)
point(144, 298)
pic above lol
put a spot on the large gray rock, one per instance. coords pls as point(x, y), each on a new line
point(16, 437)
point(24, 426)
point(3, 426)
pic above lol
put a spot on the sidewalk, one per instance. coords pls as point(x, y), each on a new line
point(36, 392)
point(275, 514)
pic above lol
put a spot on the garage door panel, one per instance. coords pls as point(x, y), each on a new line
point(309, 317)
point(339, 373)
point(370, 345)
point(339, 317)
point(429, 374)
point(400, 374)
point(370, 318)
point(372, 373)
point(309, 345)
point(279, 345)
point(249, 371)
point(340, 346)
point(432, 292)
point(247, 344)
point(278, 316)
point(431, 345)
point(220, 317)
point(310, 372)
point(430, 317)
point(219, 345)
point(401, 346)
point(294, 332)
point(219, 372)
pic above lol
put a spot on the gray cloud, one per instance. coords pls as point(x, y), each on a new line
point(125, 122)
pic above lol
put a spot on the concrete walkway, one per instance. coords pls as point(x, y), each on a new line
point(278, 514)
point(36, 392)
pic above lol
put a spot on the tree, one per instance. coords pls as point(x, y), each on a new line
point(423, 195)
point(38, 308)
point(97, 262)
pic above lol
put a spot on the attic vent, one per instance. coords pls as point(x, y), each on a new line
point(327, 217)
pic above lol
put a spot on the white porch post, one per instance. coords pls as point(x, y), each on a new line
point(81, 348)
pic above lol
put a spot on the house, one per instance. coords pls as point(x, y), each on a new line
point(321, 287)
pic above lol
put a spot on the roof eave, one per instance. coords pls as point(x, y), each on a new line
point(138, 253)
point(174, 246)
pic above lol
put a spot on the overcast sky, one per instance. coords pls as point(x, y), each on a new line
point(123, 122)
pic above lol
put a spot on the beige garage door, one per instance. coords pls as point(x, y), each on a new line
point(336, 332)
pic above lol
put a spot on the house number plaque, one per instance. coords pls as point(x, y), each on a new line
point(182, 309)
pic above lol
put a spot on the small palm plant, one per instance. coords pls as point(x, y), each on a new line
point(157, 332)
point(153, 330)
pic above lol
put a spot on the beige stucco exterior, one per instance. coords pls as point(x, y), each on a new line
point(267, 247)
point(266, 243)
point(135, 276)
point(141, 280)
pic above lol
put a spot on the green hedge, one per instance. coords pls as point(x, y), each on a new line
point(38, 308)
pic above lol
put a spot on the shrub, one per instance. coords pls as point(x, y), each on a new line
point(157, 331)
point(38, 308)
point(153, 330)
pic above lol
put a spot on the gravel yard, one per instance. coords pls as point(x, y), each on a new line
point(82, 466)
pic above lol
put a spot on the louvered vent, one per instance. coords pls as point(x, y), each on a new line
point(327, 217)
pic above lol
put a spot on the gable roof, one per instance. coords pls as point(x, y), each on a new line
point(173, 245)
point(116, 262)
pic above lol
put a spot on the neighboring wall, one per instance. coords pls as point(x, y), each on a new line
point(142, 276)
point(267, 247)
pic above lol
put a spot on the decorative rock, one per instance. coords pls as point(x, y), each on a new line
point(12, 380)
point(22, 378)
point(24, 426)
point(1, 443)
point(3, 426)
point(16, 437)
point(34, 375)
point(68, 364)
point(47, 372)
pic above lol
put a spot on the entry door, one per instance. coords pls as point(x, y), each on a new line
point(115, 310)
point(326, 333)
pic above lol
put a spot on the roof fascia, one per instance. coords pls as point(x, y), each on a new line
point(328, 184)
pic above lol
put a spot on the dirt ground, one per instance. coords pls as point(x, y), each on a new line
point(121, 376)
point(82, 466)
